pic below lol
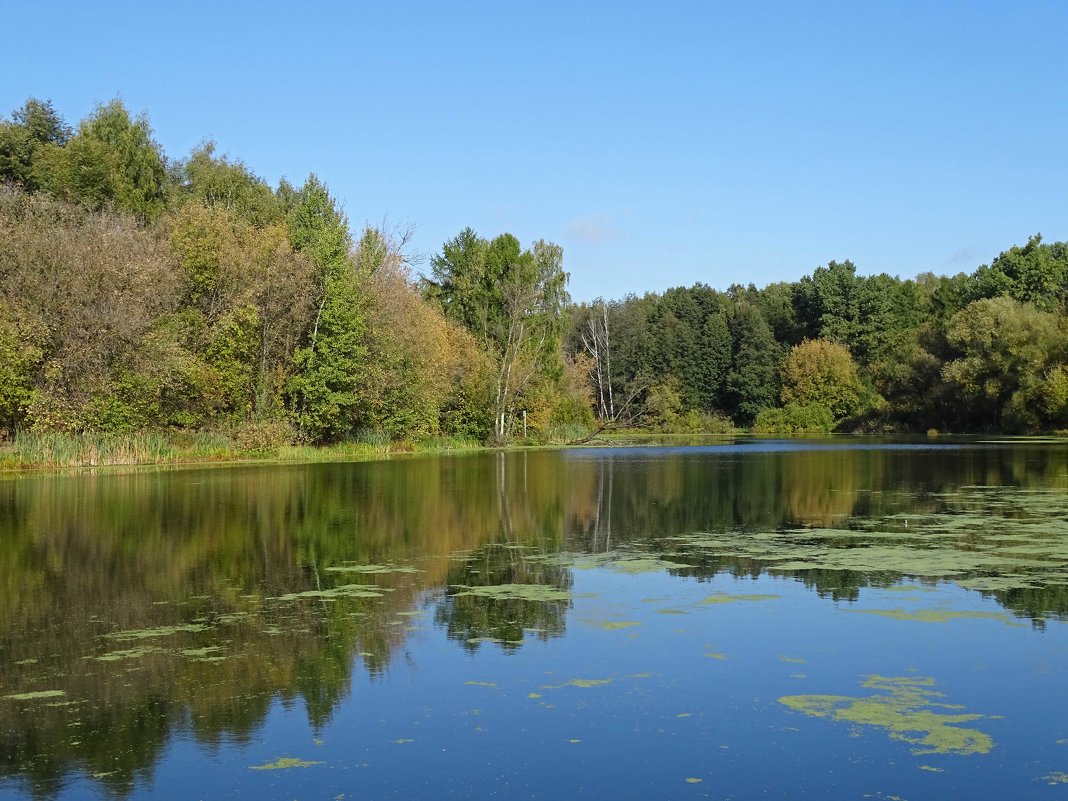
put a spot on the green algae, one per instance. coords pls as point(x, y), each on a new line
point(342, 591)
point(159, 631)
point(635, 565)
point(284, 763)
point(34, 695)
point(935, 615)
point(726, 598)
point(616, 625)
point(373, 569)
point(904, 707)
point(516, 592)
point(588, 682)
point(583, 683)
point(908, 588)
point(671, 611)
point(129, 653)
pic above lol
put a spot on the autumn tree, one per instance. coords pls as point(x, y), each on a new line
point(823, 373)
point(512, 301)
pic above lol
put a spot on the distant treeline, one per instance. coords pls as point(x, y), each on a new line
point(139, 292)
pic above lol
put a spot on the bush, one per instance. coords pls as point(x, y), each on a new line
point(264, 436)
point(813, 418)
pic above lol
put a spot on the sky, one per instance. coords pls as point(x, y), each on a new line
point(660, 144)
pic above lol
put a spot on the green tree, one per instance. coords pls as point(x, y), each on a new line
point(216, 181)
point(323, 392)
point(823, 373)
point(31, 130)
point(112, 161)
point(753, 382)
point(512, 301)
point(1035, 273)
point(1006, 349)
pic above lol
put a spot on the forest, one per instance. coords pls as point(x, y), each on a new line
point(144, 293)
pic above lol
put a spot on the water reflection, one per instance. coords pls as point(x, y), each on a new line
point(189, 601)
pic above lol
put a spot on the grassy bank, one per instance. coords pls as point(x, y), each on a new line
point(36, 451)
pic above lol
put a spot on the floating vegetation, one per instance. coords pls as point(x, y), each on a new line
point(210, 653)
point(533, 695)
point(908, 588)
point(284, 763)
point(577, 683)
point(793, 660)
point(693, 780)
point(671, 611)
point(34, 695)
point(482, 683)
point(343, 591)
point(403, 741)
point(159, 631)
point(931, 769)
point(129, 653)
point(905, 708)
point(1056, 778)
point(726, 598)
point(935, 615)
point(716, 655)
point(516, 592)
point(373, 569)
point(635, 565)
point(616, 625)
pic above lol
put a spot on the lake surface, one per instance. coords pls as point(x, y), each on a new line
point(841, 619)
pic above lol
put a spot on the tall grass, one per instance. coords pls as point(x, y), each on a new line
point(32, 450)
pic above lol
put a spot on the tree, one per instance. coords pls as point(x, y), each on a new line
point(753, 382)
point(329, 367)
point(1006, 349)
point(32, 129)
point(1035, 273)
point(512, 301)
point(819, 372)
point(218, 182)
point(111, 162)
point(597, 341)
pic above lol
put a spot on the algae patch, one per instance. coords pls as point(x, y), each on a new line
point(34, 695)
point(935, 615)
point(905, 707)
point(343, 591)
point(726, 598)
point(159, 631)
point(283, 763)
point(516, 592)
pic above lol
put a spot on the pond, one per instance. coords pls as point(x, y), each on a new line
point(774, 619)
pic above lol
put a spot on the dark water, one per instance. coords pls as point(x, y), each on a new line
point(762, 620)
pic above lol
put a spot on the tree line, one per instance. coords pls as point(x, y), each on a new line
point(841, 351)
point(141, 292)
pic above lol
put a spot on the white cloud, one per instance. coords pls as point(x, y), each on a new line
point(591, 229)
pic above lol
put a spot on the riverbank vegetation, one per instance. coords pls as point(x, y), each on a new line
point(154, 309)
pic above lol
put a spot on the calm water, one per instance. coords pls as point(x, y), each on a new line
point(762, 620)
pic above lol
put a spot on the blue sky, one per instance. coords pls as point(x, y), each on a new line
point(659, 144)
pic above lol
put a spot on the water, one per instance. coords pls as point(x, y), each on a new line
point(825, 619)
